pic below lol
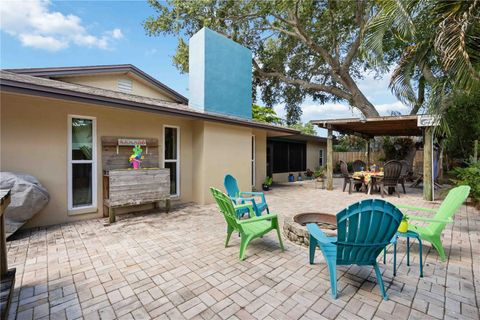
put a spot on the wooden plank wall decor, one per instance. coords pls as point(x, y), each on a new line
point(115, 155)
point(130, 187)
point(124, 186)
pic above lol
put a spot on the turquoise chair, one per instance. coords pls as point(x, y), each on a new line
point(238, 198)
point(363, 230)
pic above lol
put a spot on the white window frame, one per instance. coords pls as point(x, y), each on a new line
point(253, 158)
point(88, 208)
point(253, 175)
point(177, 160)
point(322, 151)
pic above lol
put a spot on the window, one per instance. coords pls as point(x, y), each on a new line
point(320, 158)
point(253, 161)
point(82, 156)
point(289, 156)
point(125, 85)
point(172, 157)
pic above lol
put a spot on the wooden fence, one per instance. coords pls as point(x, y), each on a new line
point(375, 157)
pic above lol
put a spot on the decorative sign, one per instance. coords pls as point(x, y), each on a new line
point(427, 120)
point(132, 142)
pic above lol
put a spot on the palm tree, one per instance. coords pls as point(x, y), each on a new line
point(442, 45)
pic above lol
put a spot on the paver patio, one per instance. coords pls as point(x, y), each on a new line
point(174, 266)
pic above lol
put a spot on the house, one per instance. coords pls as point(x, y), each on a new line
point(50, 115)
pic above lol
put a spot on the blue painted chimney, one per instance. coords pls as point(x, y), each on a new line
point(220, 75)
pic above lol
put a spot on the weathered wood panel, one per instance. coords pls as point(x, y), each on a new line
point(135, 187)
point(375, 156)
point(116, 157)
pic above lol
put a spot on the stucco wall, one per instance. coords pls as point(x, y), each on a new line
point(34, 141)
point(260, 158)
point(226, 149)
point(110, 81)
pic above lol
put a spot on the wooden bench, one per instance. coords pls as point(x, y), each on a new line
point(128, 187)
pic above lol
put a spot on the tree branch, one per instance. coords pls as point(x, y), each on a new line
point(304, 84)
point(359, 18)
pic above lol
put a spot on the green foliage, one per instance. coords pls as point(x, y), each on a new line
point(441, 52)
point(305, 128)
point(337, 168)
point(396, 148)
point(301, 49)
point(268, 181)
point(469, 176)
point(350, 143)
point(463, 119)
point(265, 114)
point(319, 171)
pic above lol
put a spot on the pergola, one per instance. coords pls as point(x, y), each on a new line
point(369, 128)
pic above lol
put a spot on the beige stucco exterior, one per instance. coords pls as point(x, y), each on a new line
point(140, 87)
point(34, 141)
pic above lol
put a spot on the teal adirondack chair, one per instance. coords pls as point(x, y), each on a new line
point(249, 229)
point(363, 230)
point(237, 196)
point(433, 231)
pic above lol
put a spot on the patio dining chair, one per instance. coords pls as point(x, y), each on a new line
point(364, 229)
point(348, 179)
point(238, 197)
point(391, 176)
point(249, 229)
point(404, 174)
point(433, 231)
point(359, 165)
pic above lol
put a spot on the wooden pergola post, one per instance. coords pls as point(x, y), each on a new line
point(330, 159)
point(368, 154)
point(427, 164)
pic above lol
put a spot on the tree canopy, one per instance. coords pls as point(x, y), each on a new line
point(442, 49)
point(302, 48)
point(265, 114)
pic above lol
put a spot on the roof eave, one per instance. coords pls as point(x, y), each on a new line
point(69, 71)
point(38, 90)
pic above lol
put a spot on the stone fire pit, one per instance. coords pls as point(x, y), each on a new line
point(296, 231)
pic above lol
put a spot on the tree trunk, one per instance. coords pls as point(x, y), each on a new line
point(358, 99)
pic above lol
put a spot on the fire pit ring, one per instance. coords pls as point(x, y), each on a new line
point(296, 231)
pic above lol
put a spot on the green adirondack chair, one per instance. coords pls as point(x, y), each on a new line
point(433, 231)
point(249, 229)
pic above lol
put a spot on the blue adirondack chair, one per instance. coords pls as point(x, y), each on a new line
point(363, 230)
point(237, 197)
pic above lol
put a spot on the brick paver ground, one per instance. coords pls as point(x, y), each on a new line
point(174, 266)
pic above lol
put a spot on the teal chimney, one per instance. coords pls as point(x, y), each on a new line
point(220, 75)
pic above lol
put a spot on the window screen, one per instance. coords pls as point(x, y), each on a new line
point(289, 156)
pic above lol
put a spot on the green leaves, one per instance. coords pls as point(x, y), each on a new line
point(301, 48)
point(265, 114)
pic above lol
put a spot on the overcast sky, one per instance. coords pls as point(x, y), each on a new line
point(68, 33)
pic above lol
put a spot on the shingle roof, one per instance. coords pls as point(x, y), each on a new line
point(21, 83)
point(86, 70)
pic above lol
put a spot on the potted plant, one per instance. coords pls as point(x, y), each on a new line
point(267, 183)
point(319, 172)
point(291, 177)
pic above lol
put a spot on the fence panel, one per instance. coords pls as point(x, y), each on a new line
point(375, 157)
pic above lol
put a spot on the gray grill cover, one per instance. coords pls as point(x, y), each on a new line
point(28, 197)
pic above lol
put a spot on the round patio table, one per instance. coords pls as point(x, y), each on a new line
point(369, 178)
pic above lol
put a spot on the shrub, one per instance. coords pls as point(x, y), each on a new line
point(469, 176)
point(396, 148)
point(337, 169)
